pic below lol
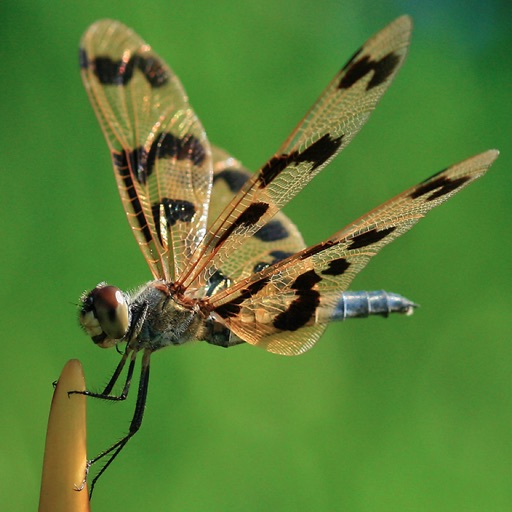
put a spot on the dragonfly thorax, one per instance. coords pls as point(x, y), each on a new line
point(160, 319)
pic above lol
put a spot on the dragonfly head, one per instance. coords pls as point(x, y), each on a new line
point(104, 315)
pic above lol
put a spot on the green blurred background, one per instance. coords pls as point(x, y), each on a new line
point(382, 415)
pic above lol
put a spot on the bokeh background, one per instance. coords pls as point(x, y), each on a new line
point(382, 415)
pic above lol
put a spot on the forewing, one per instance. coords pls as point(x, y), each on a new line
point(277, 240)
point(328, 127)
point(285, 308)
point(161, 157)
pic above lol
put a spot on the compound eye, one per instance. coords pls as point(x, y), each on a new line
point(111, 311)
point(104, 315)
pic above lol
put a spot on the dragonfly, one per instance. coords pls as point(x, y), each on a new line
point(228, 266)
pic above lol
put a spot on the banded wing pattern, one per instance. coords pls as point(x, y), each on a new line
point(286, 307)
point(161, 156)
point(277, 240)
point(327, 128)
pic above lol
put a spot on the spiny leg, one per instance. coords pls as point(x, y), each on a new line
point(135, 424)
point(105, 394)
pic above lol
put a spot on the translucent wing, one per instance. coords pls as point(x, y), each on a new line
point(161, 157)
point(331, 123)
point(277, 240)
point(285, 308)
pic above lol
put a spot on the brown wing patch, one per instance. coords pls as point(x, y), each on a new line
point(162, 159)
point(303, 290)
point(277, 240)
point(327, 128)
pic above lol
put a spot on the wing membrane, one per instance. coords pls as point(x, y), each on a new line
point(279, 239)
point(161, 157)
point(285, 308)
point(329, 126)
